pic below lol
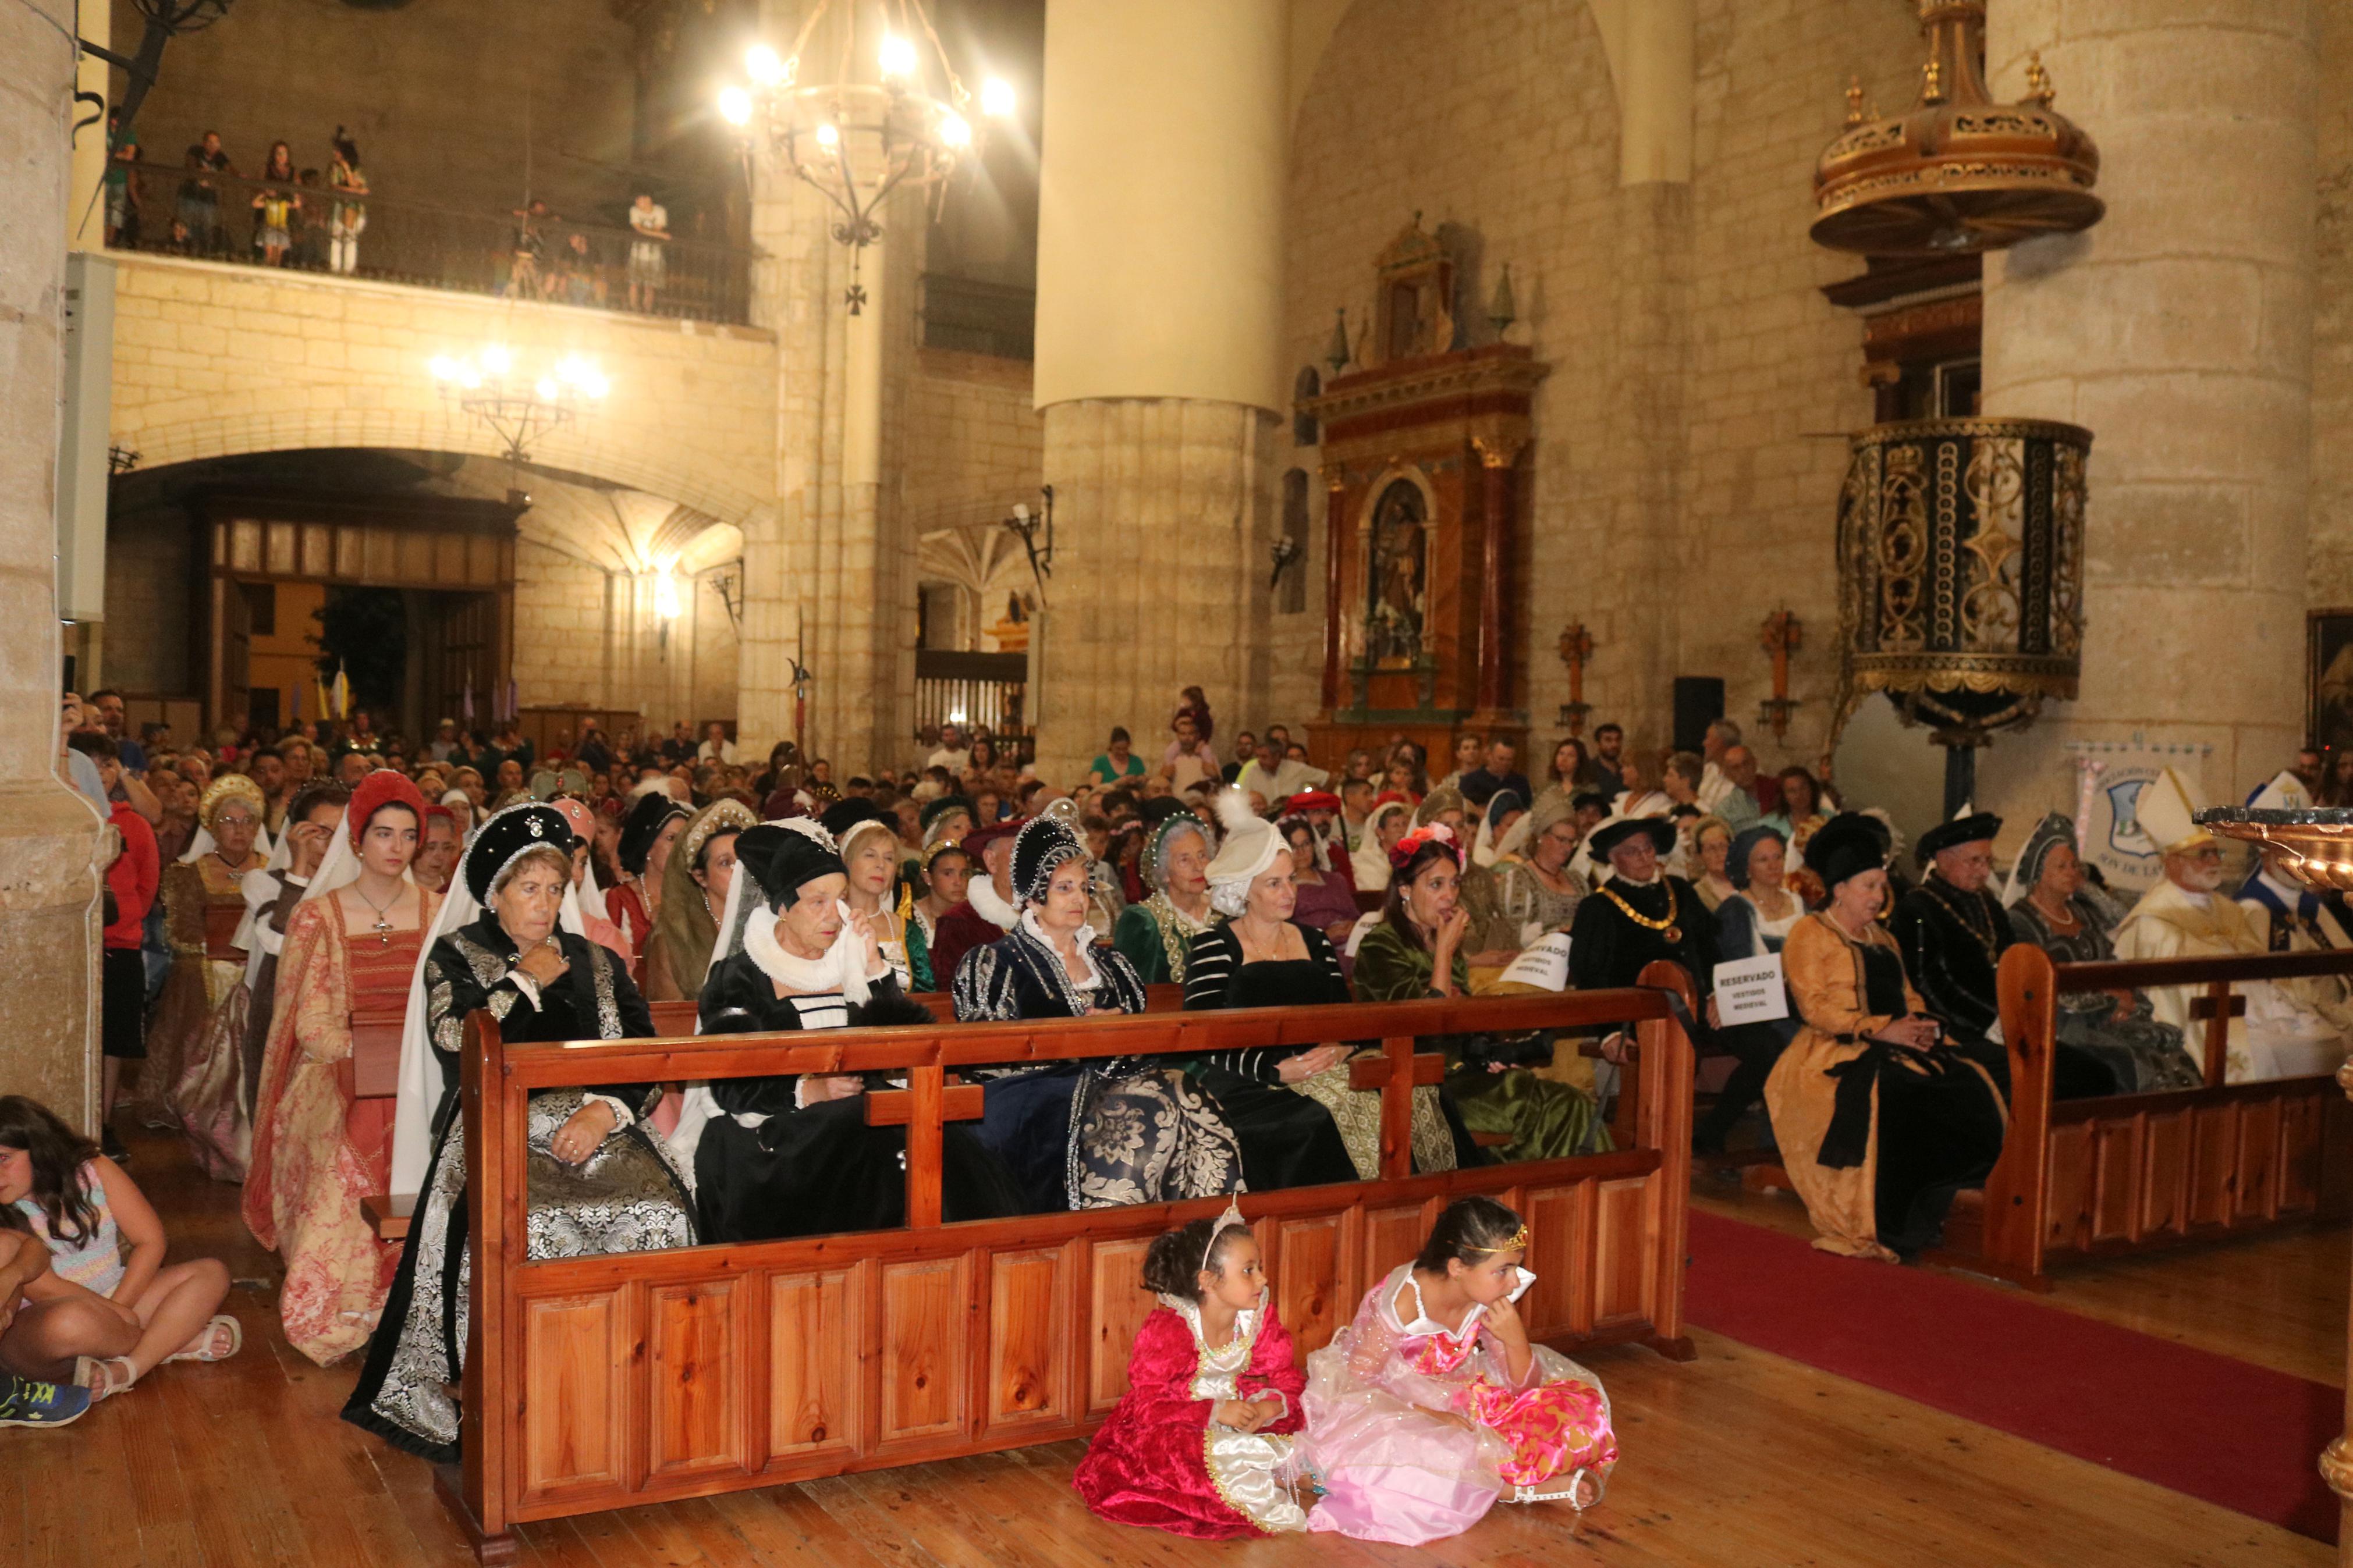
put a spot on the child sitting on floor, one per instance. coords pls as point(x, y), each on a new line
point(1432, 1405)
point(1198, 1445)
point(94, 1317)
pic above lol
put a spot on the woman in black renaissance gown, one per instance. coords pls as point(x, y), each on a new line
point(599, 1180)
point(1279, 1099)
point(791, 1155)
point(1084, 1134)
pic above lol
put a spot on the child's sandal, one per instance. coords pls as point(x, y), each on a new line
point(220, 1338)
point(104, 1377)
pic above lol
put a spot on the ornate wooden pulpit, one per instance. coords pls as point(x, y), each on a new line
point(1421, 460)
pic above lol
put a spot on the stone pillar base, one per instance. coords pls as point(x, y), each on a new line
point(50, 853)
point(1163, 519)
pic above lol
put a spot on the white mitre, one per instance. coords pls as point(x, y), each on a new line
point(2167, 813)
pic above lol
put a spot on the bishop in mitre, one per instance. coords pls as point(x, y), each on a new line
point(2284, 1035)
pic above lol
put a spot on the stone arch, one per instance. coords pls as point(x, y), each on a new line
point(195, 440)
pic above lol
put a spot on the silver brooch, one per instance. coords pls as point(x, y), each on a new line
point(536, 830)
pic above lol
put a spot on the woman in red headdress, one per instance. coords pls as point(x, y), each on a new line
point(350, 948)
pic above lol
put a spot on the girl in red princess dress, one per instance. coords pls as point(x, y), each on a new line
point(1200, 1444)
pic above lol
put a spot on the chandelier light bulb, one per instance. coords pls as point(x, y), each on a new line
point(495, 360)
point(954, 131)
point(444, 368)
point(734, 106)
point(594, 385)
point(666, 599)
point(996, 98)
point(827, 136)
point(763, 64)
point(547, 389)
point(469, 376)
point(898, 57)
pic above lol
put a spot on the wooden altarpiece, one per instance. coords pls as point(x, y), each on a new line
point(1422, 456)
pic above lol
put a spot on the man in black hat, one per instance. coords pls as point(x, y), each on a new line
point(1954, 930)
point(1639, 913)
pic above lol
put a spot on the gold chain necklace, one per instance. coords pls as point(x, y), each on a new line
point(1667, 926)
point(1985, 939)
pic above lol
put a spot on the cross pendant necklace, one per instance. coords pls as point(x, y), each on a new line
point(383, 927)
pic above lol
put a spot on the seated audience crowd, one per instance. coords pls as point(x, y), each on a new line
point(563, 885)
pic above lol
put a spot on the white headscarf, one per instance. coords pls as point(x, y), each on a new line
point(1368, 860)
point(420, 1073)
point(747, 925)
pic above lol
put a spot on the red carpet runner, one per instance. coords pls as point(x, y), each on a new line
point(2231, 1433)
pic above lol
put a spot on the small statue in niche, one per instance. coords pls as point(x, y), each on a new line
point(1399, 569)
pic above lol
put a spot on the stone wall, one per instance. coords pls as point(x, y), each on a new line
point(2331, 578)
point(212, 360)
point(443, 96)
point(1683, 479)
point(52, 842)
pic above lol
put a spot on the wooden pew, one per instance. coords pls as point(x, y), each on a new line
point(602, 1383)
point(373, 1071)
point(2136, 1173)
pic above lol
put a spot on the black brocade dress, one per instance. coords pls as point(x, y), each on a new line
point(769, 1167)
point(625, 1197)
point(1287, 1139)
point(1952, 942)
point(1935, 1136)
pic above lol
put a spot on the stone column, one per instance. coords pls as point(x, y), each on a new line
point(49, 837)
point(1159, 334)
point(2178, 331)
point(827, 570)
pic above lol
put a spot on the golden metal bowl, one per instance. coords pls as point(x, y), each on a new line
point(2313, 847)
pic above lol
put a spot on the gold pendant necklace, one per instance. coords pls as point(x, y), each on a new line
point(1666, 927)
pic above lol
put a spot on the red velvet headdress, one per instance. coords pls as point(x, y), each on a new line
point(381, 788)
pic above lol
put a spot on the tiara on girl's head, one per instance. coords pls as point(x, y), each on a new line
point(1230, 1220)
point(1518, 1243)
point(1401, 853)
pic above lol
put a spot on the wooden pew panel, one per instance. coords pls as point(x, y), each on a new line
point(812, 1361)
point(752, 1370)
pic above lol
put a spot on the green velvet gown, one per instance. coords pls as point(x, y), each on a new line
point(1546, 1120)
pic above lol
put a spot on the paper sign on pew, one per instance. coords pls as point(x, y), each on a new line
point(1751, 991)
point(1544, 963)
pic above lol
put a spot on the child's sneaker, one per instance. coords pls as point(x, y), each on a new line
point(23, 1403)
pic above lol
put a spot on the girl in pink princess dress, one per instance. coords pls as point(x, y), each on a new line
point(1432, 1406)
point(1201, 1444)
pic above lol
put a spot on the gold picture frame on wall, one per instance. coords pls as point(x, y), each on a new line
point(2328, 678)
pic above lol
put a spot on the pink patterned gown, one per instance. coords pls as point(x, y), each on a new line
point(1161, 1461)
point(316, 1151)
point(1395, 1469)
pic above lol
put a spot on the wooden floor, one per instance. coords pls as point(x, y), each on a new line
point(1737, 1458)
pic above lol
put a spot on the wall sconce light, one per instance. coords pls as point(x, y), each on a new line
point(1025, 526)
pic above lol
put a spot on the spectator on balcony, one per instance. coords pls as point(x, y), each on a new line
point(122, 195)
point(648, 269)
point(274, 206)
point(199, 215)
point(530, 249)
point(583, 275)
point(309, 223)
point(348, 217)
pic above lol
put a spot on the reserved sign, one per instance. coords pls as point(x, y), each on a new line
point(1751, 991)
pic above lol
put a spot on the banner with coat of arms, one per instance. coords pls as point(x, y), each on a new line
point(2109, 777)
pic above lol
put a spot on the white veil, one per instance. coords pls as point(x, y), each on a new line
point(420, 1073)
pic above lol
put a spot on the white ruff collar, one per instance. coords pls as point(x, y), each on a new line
point(1084, 937)
point(982, 895)
point(838, 970)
